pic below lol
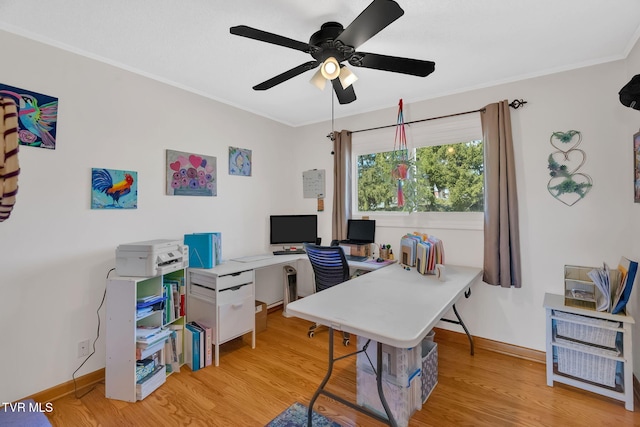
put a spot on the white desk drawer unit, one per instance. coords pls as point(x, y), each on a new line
point(236, 311)
point(225, 301)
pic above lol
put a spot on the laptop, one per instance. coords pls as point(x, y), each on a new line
point(360, 232)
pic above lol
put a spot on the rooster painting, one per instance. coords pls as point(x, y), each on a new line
point(109, 186)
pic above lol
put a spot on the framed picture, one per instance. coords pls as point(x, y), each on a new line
point(636, 167)
point(38, 116)
point(191, 174)
point(239, 161)
point(114, 189)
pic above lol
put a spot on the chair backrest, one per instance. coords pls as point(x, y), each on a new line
point(329, 265)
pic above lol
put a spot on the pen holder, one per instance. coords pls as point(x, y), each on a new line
point(384, 253)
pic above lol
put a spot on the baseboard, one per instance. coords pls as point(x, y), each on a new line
point(495, 346)
point(69, 387)
point(85, 381)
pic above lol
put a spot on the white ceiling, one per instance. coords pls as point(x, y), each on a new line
point(474, 43)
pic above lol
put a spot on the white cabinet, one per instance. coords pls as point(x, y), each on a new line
point(589, 349)
point(123, 320)
point(224, 301)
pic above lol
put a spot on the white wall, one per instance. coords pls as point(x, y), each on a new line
point(55, 251)
point(593, 231)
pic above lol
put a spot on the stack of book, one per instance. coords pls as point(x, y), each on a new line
point(150, 372)
point(198, 345)
point(145, 306)
point(174, 295)
point(422, 251)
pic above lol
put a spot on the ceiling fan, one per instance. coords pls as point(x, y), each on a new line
point(333, 44)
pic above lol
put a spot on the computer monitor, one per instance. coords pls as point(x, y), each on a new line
point(293, 229)
point(361, 230)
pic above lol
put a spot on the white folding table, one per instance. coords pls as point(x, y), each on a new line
point(391, 306)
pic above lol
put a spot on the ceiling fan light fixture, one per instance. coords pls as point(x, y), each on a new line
point(318, 80)
point(330, 68)
point(347, 78)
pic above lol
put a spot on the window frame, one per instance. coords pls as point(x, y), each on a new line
point(449, 130)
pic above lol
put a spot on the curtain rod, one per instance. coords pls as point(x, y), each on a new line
point(514, 104)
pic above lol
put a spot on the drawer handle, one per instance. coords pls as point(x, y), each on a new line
point(236, 305)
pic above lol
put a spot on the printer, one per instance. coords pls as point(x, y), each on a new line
point(151, 258)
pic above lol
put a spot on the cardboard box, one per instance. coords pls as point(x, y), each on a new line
point(356, 250)
point(261, 316)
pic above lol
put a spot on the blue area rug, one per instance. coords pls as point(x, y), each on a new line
point(296, 416)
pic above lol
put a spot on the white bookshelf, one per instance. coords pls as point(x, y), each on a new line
point(589, 349)
point(121, 324)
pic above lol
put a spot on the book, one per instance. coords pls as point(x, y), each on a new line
point(628, 270)
point(172, 360)
point(160, 336)
point(144, 352)
point(147, 331)
point(201, 341)
point(192, 335)
point(208, 341)
point(144, 367)
point(179, 330)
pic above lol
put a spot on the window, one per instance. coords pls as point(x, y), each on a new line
point(446, 168)
point(442, 178)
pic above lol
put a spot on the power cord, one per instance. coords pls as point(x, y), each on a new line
point(73, 376)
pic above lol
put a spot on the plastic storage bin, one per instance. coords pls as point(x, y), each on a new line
point(429, 376)
point(398, 364)
point(403, 401)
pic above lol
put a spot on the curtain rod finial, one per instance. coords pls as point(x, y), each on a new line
point(517, 103)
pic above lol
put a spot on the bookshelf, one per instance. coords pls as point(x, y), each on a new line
point(589, 349)
point(164, 312)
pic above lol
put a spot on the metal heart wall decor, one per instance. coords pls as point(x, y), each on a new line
point(567, 184)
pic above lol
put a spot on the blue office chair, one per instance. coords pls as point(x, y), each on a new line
point(330, 268)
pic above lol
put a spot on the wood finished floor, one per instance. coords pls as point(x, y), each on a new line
point(251, 387)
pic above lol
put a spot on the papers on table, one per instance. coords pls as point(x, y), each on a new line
point(602, 279)
point(614, 286)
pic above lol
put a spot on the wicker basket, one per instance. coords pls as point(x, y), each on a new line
point(589, 367)
point(583, 331)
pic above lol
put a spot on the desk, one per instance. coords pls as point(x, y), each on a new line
point(231, 313)
point(394, 306)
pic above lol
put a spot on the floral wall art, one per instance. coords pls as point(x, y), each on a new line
point(190, 174)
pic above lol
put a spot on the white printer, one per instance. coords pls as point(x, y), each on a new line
point(151, 258)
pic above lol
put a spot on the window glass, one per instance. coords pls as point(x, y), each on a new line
point(445, 171)
point(440, 178)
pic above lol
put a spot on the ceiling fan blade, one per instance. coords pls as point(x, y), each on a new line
point(268, 84)
point(414, 67)
point(345, 96)
point(377, 16)
point(252, 33)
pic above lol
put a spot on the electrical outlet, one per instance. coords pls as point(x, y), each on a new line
point(83, 348)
